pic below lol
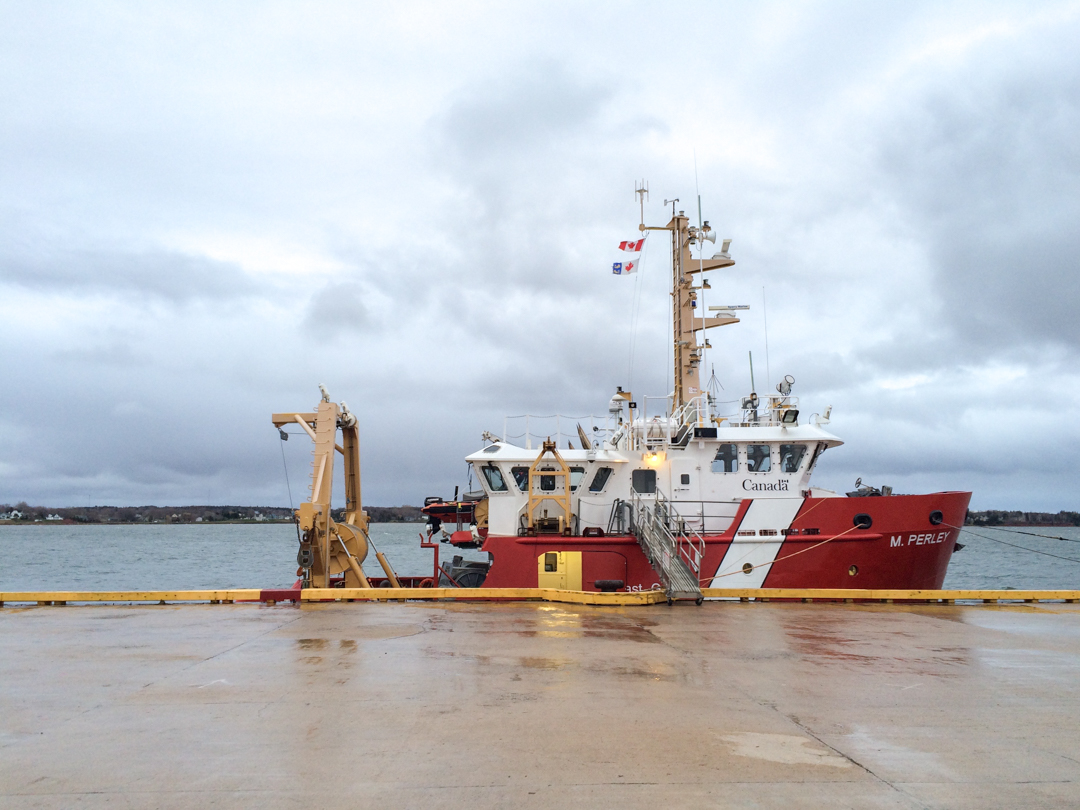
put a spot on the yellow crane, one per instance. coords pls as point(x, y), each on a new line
point(329, 548)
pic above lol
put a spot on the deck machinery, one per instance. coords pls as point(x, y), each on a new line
point(332, 552)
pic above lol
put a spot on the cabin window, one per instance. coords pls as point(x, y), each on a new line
point(643, 481)
point(494, 478)
point(576, 474)
point(727, 459)
point(547, 482)
point(791, 456)
point(821, 447)
point(521, 477)
point(600, 479)
point(758, 458)
point(684, 479)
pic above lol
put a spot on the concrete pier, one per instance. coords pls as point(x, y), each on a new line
point(540, 705)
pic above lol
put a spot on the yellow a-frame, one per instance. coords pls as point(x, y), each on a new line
point(328, 548)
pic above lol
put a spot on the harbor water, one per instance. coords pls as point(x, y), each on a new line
point(41, 557)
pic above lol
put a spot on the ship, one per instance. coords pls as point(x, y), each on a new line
point(662, 493)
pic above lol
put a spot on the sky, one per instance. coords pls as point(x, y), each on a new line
point(208, 209)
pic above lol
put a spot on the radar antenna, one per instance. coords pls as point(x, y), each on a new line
point(642, 191)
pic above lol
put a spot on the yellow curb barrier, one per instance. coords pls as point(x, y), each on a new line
point(621, 598)
point(541, 594)
point(54, 597)
point(867, 595)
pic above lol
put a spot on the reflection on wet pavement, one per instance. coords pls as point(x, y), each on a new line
point(539, 705)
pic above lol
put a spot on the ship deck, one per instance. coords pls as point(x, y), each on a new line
point(535, 704)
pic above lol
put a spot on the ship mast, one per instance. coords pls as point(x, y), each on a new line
point(687, 317)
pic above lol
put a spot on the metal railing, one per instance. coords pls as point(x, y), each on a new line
point(707, 517)
point(673, 548)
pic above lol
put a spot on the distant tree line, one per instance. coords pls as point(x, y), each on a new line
point(995, 517)
point(25, 513)
point(395, 514)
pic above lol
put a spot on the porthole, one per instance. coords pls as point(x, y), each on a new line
point(863, 521)
point(936, 517)
point(853, 570)
point(747, 568)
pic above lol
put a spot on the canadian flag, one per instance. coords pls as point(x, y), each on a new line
point(629, 258)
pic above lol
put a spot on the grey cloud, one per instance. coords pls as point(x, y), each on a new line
point(167, 276)
point(474, 212)
point(338, 308)
point(987, 170)
point(519, 115)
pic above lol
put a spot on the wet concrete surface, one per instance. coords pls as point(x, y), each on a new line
point(540, 705)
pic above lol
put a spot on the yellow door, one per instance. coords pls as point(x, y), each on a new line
point(559, 569)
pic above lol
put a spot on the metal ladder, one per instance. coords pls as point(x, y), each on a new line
point(674, 549)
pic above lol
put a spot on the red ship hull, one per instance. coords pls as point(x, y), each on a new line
point(908, 546)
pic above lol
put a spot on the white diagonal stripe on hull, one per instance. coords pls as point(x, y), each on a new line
point(764, 513)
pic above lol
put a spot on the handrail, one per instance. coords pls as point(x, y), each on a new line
point(688, 541)
point(675, 550)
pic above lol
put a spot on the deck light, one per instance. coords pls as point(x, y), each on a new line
point(790, 417)
point(655, 459)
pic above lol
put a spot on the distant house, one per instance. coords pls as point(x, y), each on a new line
point(53, 517)
point(14, 514)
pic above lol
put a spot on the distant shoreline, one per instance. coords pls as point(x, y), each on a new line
point(21, 513)
point(287, 521)
point(178, 522)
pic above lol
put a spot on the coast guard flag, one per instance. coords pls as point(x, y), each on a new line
point(631, 254)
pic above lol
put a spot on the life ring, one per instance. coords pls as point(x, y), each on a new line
point(426, 583)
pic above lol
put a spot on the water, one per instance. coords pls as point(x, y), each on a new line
point(180, 557)
point(983, 563)
point(196, 557)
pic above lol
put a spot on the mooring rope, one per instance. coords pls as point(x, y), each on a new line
point(750, 550)
point(838, 536)
point(282, 437)
point(1031, 534)
point(281, 444)
point(788, 557)
point(1013, 545)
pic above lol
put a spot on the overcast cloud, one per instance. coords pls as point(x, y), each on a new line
point(206, 210)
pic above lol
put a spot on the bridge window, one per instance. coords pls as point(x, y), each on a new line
point(758, 458)
point(727, 458)
point(643, 481)
point(576, 474)
point(521, 477)
point(547, 483)
point(600, 479)
point(494, 478)
point(791, 456)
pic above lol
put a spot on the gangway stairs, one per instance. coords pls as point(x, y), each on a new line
point(674, 549)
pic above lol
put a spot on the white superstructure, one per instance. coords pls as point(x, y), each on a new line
point(706, 465)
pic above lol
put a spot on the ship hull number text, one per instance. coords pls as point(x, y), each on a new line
point(898, 540)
